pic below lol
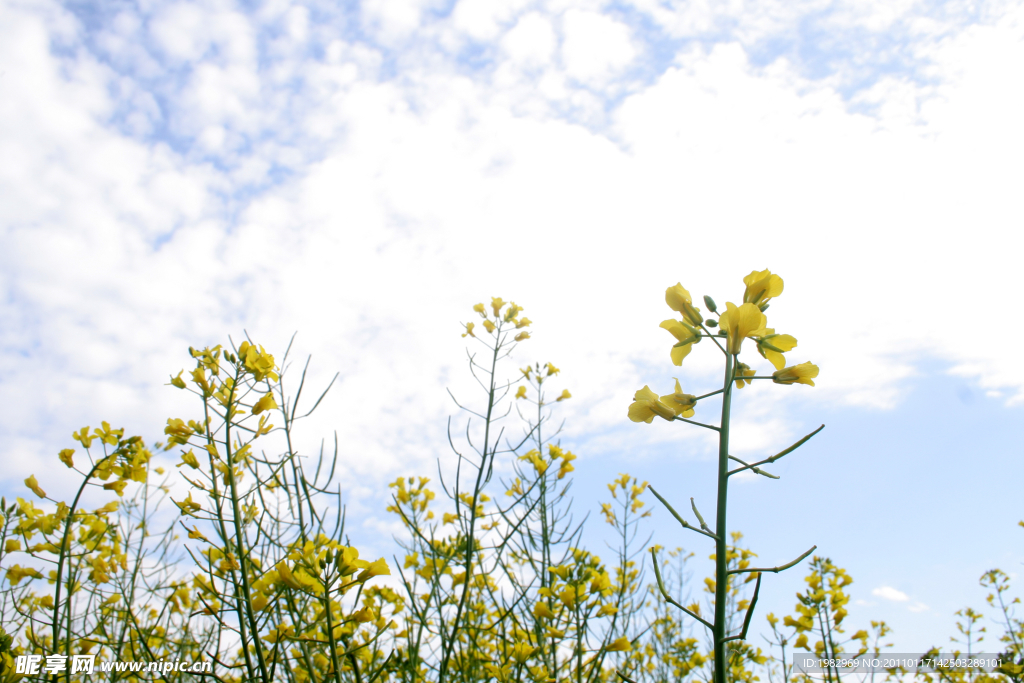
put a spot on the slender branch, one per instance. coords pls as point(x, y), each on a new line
point(680, 519)
point(750, 612)
point(710, 393)
point(703, 524)
point(775, 570)
point(755, 470)
point(781, 453)
point(668, 598)
point(713, 338)
point(699, 424)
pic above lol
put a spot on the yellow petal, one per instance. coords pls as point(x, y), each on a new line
point(34, 486)
point(761, 286)
point(265, 403)
point(676, 296)
point(740, 322)
point(66, 456)
point(621, 644)
point(680, 330)
point(796, 374)
point(376, 568)
point(678, 353)
point(542, 611)
point(639, 412)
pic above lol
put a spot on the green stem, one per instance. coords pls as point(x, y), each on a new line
point(243, 591)
point(65, 550)
point(721, 560)
point(331, 642)
point(448, 647)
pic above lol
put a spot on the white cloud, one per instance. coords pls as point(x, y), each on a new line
point(890, 593)
point(413, 197)
point(595, 45)
point(188, 32)
point(482, 20)
point(395, 20)
point(531, 40)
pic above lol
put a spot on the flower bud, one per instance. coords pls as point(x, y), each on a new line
point(764, 307)
point(710, 303)
point(711, 323)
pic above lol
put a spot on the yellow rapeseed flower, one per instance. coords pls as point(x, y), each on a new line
point(796, 374)
point(489, 326)
point(83, 437)
point(116, 486)
point(678, 299)
point(286, 575)
point(479, 308)
point(469, 330)
point(646, 404)
point(686, 335)
point(189, 459)
point(620, 644)
point(680, 403)
point(34, 485)
point(521, 336)
point(771, 346)
point(258, 362)
point(743, 371)
point(65, 456)
point(542, 611)
point(496, 304)
point(565, 395)
point(349, 562)
point(741, 322)
point(375, 568)
point(535, 459)
point(570, 595)
point(265, 403)
point(188, 506)
point(561, 572)
point(761, 286)
point(108, 508)
point(521, 393)
point(16, 573)
point(521, 651)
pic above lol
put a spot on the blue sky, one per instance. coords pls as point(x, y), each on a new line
point(174, 173)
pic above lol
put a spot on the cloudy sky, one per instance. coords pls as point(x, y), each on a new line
point(175, 173)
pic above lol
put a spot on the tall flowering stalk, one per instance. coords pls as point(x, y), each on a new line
point(734, 326)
